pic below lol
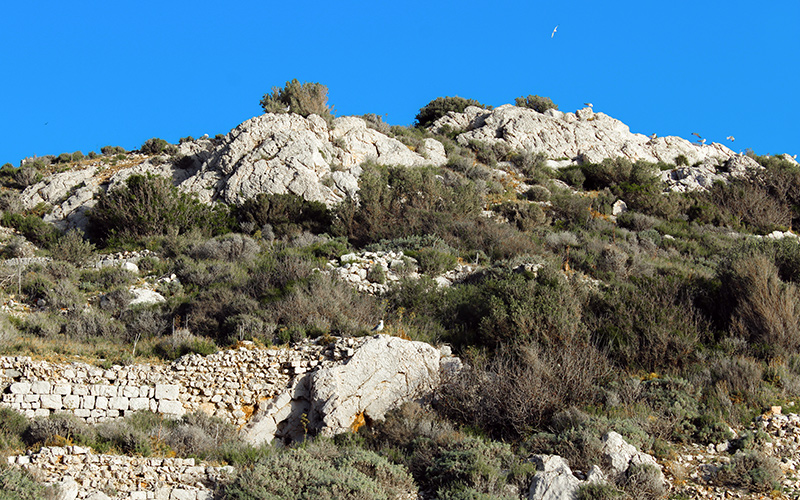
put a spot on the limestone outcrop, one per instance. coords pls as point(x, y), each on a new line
point(333, 384)
point(382, 373)
point(586, 136)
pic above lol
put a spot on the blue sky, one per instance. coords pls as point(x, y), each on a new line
point(79, 75)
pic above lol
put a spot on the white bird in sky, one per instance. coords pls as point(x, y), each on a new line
point(730, 138)
point(554, 31)
point(702, 141)
point(588, 104)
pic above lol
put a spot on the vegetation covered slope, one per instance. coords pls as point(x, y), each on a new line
point(668, 323)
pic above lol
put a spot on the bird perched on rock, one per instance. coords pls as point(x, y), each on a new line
point(378, 327)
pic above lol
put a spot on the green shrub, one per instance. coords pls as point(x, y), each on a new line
point(112, 150)
point(434, 262)
point(118, 436)
point(752, 470)
point(37, 231)
point(148, 206)
point(397, 202)
point(377, 274)
point(526, 216)
point(231, 247)
point(440, 106)
point(17, 483)
point(302, 98)
point(320, 470)
point(287, 214)
point(535, 102)
point(156, 146)
point(73, 248)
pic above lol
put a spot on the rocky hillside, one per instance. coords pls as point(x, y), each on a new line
point(287, 153)
point(494, 303)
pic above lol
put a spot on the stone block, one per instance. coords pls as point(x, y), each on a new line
point(62, 389)
point(41, 412)
point(118, 403)
point(181, 494)
point(137, 495)
point(109, 391)
point(30, 398)
point(101, 403)
point(88, 402)
point(41, 387)
point(71, 402)
point(80, 390)
point(82, 413)
point(167, 391)
point(51, 402)
point(138, 404)
point(112, 413)
point(171, 407)
point(130, 391)
point(21, 388)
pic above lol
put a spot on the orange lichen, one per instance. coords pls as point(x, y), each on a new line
point(359, 422)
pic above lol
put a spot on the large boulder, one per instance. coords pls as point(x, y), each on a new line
point(382, 373)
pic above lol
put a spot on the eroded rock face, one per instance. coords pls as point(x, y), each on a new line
point(584, 135)
point(382, 373)
point(286, 153)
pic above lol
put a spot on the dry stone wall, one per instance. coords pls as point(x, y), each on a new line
point(79, 473)
point(228, 384)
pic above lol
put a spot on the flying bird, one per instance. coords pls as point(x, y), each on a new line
point(554, 31)
point(588, 104)
point(698, 135)
point(702, 141)
point(653, 136)
point(730, 138)
point(378, 327)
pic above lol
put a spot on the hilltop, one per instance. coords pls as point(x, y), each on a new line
point(564, 306)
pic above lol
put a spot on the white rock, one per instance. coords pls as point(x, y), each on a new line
point(554, 479)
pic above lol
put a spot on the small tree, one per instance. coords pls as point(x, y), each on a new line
point(536, 103)
point(305, 99)
point(440, 106)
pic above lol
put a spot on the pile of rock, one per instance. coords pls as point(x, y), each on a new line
point(79, 474)
point(374, 272)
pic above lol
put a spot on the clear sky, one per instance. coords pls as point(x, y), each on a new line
point(79, 75)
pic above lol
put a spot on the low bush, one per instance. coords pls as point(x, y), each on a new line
point(287, 214)
point(228, 247)
point(73, 248)
point(17, 483)
point(148, 206)
point(58, 429)
point(302, 98)
point(156, 146)
point(535, 102)
point(37, 231)
point(320, 470)
point(440, 106)
point(752, 470)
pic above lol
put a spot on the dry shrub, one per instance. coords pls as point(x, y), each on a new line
point(520, 388)
point(232, 247)
point(323, 303)
point(752, 470)
point(766, 310)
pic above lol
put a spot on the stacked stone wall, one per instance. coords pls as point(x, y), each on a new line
point(229, 384)
point(79, 473)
